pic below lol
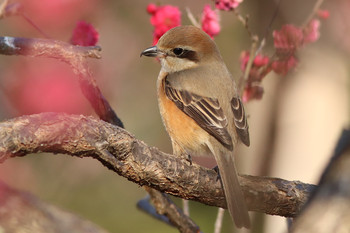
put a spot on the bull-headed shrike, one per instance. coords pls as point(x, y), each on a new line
point(200, 106)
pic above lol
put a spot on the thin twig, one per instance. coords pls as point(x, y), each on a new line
point(34, 25)
point(313, 13)
point(145, 205)
point(166, 207)
point(252, 53)
point(186, 207)
point(3, 7)
point(192, 18)
point(219, 220)
point(244, 21)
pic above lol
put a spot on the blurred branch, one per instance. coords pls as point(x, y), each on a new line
point(253, 49)
point(192, 18)
point(15, 9)
point(131, 158)
point(313, 13)
point(36, 47)
point(23, 212)
point(167, 208)
point(73, 55)
point(3, 8)
point(328, 209)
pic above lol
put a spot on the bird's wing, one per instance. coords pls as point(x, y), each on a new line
point(240, 120)
point(204, 110)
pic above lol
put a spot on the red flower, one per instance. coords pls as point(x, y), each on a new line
point(84, 34)
point(210, 21)
point(227, 5)
point(163, 18)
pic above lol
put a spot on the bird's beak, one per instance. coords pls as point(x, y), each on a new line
point(151, 52)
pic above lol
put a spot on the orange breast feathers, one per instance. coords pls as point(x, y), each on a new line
point(182, 129)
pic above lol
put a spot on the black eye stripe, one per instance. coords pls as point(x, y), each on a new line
point(190, 55)
point(186, 54)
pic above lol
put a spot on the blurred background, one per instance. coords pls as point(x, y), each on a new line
point(293, 128)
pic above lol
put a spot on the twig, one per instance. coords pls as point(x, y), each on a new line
point(192, 18)
point(14, 9)
point(245, 77)
point(3, 7)
point(218, 221)
point(312, 14)
point(166, 207)
point(145, 205)
point(34, 25)
point(88, 137)
point(244, 21)
point(253, 50)
point(186, 207)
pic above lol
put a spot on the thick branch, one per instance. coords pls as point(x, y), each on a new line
point(121, 152)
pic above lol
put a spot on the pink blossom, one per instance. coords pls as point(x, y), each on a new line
point(227, 5)
point(163, 18)
point(252, 92)
point(259, 69)
point(84, 34)
point(210, 21)
point(311, 32)
point(259, 60)
point(244, 58)
point(288, 38)
point(323, 14)
point(282, 66)
point(151, 8)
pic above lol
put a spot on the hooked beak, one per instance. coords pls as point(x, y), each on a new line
point(151, 52)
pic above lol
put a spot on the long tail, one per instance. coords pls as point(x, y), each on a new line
point(234, 196)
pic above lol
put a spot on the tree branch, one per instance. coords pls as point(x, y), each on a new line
point(167, 208)
point(23, 212)
point(131, 158)
point(36, 47)
point(73, 55)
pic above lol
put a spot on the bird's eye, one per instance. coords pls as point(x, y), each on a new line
point(178, 51)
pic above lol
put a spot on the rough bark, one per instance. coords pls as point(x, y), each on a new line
point(131, 158)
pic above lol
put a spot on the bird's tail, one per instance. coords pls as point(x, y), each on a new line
point(234, 196)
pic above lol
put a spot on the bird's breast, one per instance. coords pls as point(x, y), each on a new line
point(182, 129)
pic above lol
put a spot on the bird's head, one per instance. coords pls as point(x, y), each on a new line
point(182, 48)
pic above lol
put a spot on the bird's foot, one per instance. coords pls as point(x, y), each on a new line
point(189, 159)
point(216, 169)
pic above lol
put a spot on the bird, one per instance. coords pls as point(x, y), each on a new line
point(200, 106)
